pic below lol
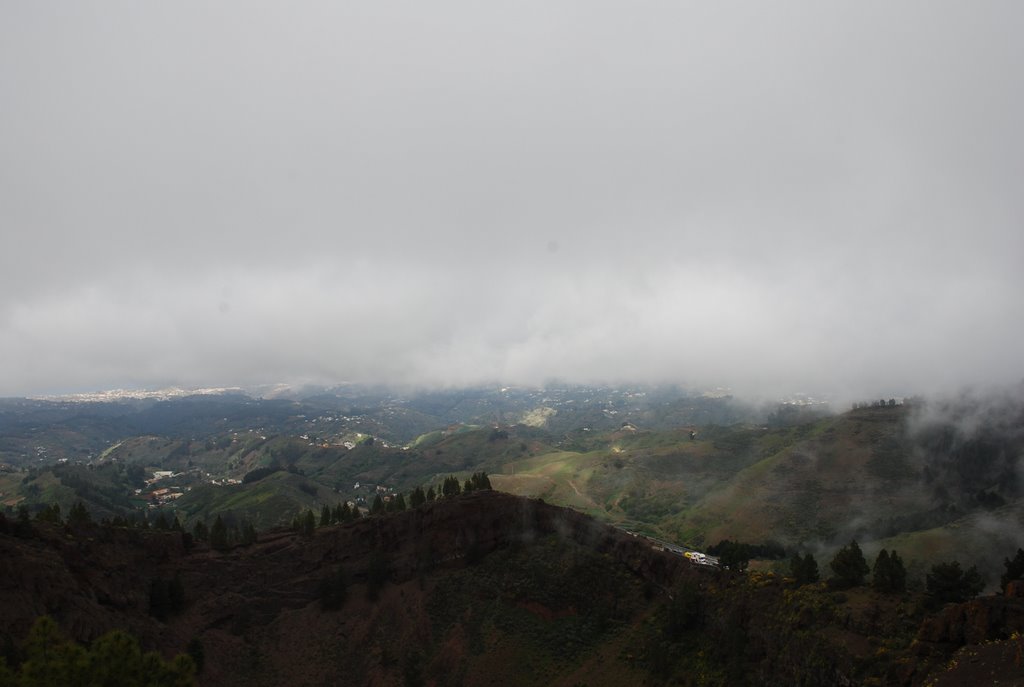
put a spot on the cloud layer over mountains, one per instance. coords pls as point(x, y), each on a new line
point(770, 197)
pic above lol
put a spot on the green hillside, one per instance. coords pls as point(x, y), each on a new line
point(269, 502)
point(938, 481)
point(888, 476)
point(848, 474)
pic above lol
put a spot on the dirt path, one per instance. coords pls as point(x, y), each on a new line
point(583, 496)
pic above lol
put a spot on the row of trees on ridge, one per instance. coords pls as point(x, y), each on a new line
point(308, 521)
point(945, 582)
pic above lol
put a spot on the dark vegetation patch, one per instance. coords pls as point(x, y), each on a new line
point(889, 460)
point(555, 598)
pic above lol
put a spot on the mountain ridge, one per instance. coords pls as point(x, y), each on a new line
point(478, 589)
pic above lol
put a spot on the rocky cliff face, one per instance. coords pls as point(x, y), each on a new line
point(977, 642)
point(975, 622)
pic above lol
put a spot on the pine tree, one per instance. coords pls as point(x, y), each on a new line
point(50, 514)
point(451, 487)
point(796, 568)
point(113, 659)
point(23, 524)
point(219, 534)
point(1014, 569)
point(431, 495)
point(377, 507)
point(199, 531)
point(79, 515)
point(810, 569)
point(889, 575)
point(399, 502)
point(804, 570)
point(880, 573)
point(417, 498)
point(947, 583)
point(733, 555)
point(325, 516)
point(308, 523)
point(248, 533)
point(849, 566)
point(50, 658)
point(467, 486)
point(161, 522)
point(481, 481)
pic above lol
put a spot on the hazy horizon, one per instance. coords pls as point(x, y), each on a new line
point(782, 198)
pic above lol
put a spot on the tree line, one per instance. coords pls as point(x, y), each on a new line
point(221, 535)
point(880, 403)
point(48, 658)
point(946, 582)
point(307, 521)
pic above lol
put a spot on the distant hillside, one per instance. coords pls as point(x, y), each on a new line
point(34, 431)
point(940, 480)
point(270, 502)
point(936, 478)
point(873, 474)
point(846, 476)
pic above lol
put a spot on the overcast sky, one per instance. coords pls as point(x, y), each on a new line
point(773, 197)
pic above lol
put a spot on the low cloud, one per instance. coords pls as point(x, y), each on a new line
point(771, 200)
point(403, 323)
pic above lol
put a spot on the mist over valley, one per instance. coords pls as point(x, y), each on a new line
point(454, 343)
